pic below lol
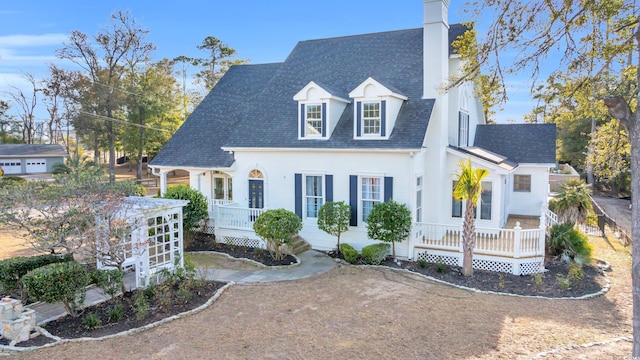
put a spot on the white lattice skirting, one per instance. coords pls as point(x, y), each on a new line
point(239, 238)
point(513, 266)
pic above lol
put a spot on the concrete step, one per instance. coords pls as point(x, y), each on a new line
point(299, 245)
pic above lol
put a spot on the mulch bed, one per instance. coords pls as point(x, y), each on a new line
point(593, 279)
point(205, 242)
point(159, 308)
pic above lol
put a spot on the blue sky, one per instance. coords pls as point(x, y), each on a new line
point(262, 31)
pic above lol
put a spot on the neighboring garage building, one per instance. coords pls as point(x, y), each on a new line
point(19, 159)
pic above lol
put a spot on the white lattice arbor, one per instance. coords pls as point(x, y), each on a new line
point(155, 241)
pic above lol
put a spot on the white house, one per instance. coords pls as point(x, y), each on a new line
point(362, 119)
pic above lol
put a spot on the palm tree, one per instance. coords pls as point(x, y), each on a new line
point(573, 202)
point(469, 188)
point(77, 168)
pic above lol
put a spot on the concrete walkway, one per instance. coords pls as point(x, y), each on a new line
point(311, 263)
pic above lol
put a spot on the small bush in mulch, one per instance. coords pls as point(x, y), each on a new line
point(591, 280)
point(206, 242)
point(119, 314)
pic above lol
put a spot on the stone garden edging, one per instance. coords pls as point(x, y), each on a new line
point(603, 291)
point(267, 267)
point(122, 333)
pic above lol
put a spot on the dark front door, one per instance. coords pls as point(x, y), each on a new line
point(256, 194)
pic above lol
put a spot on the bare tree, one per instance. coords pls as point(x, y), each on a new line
point(25, 105)
point(121, 42)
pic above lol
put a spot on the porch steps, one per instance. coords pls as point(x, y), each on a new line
point(299, 245)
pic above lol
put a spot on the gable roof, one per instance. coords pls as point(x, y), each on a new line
point(32, 150)
point(520, 143)
point(252, 106)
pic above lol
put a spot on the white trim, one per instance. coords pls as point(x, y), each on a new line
point(358, 92)
point(260, 149)
point(323, 197)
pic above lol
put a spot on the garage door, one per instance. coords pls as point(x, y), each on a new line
point(11, 166)
point(36, 166)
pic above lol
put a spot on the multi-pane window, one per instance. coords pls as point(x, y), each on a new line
point(314, 120)
point(371, 118)
point(164, 238)
point(219, 188)
point(485, 200)
point(419, 199)
point(371, 194)
point(456, 205)
point(463, 129)
point(522, 183)
point(313, 195)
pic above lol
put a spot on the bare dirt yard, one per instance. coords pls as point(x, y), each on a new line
point(12, 244)
point(363, 313)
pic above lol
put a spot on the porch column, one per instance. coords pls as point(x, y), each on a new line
point(163, 182)
point(543, 228)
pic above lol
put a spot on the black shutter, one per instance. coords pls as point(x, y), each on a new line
point(328, 181)
point(324, 119)
point(298, 194)
point(388, 188)
point(383, 118)
point(353, 199)
point(358, 118)
point(302, 123)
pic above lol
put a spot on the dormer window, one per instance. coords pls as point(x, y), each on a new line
point(371, 118)
point(314, 120)
point(320, 109)
point(376, 110)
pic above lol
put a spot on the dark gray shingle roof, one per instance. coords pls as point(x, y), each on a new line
point(32, 150)
point(253, 106)
point(521, 143)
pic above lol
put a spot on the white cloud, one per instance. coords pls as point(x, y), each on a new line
point(18, 40)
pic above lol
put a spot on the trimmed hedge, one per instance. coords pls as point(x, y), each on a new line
point(62, 282)
point(374, 254)
point(349, 253)
point(12, 270)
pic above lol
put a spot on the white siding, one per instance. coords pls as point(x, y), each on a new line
point(529, 203)
point(279, 168)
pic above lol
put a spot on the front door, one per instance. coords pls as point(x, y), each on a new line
point(256, 193)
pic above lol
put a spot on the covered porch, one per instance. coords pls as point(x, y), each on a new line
point(518, 248)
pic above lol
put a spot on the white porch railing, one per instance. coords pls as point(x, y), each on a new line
point(513, 243)
point(213, 203)
point(230, 216)
point(551, 218)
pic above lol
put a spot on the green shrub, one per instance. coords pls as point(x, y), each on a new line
point(333, 218)
point(537, 280)
point(564, 239)
point(389, 222)
point(110, 281)
point(575, 273)
point(422, 263)
point(563, 282)
point(115, 313)
point(277, 227)
point(349, 253)
point(140, 305)
point(374, 254)
point(441, 267)
point(91, 321)
point(195, 211)
point(6, 181)
point(12, 270)
point(62, 282)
